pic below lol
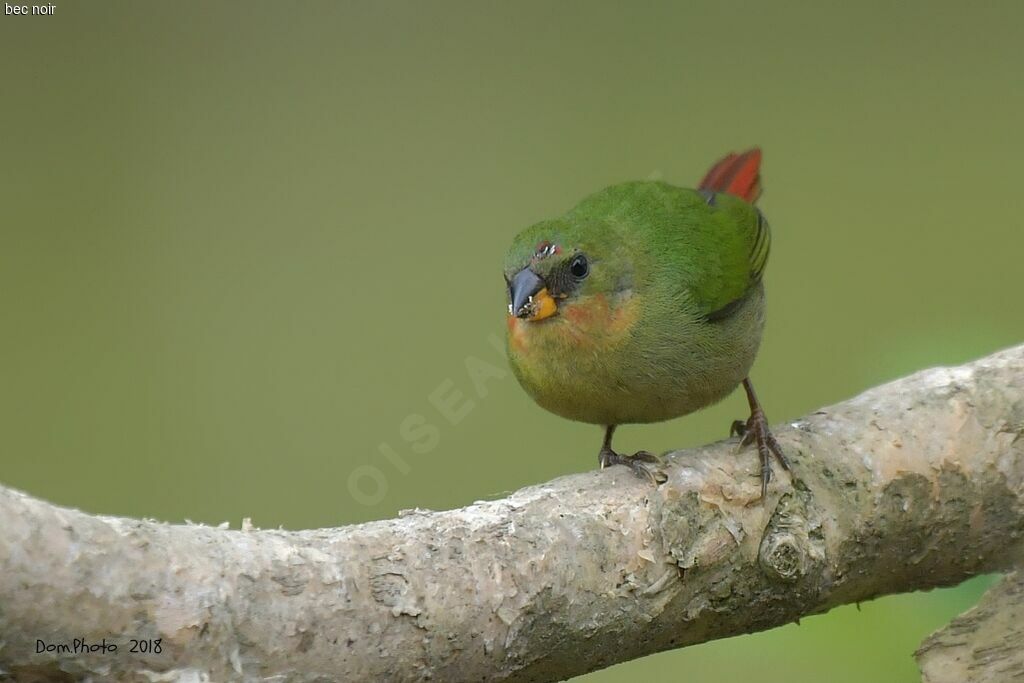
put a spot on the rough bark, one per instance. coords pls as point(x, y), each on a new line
point(984, 645)
point(915, 484)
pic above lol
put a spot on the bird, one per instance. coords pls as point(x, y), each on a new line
point(643, 303)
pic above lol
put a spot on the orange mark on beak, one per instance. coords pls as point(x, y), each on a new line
point(539, 306)
point(544, 305)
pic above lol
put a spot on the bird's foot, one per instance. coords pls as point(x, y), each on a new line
point(755, 430)
point(638, 462)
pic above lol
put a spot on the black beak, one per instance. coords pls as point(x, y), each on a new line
point(525, 284)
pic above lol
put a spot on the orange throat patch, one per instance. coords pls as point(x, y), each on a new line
point(590, 323)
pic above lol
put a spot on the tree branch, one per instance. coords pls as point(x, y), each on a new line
point(985, 644)
point(915, 484)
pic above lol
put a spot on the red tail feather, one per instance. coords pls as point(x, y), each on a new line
point(737, 174)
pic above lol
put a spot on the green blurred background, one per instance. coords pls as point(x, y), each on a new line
point(241, 243)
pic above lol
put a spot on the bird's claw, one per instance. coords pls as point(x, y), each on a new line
point(755, 431)
point(637, 462)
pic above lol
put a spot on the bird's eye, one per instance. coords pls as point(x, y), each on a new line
point(579, 267)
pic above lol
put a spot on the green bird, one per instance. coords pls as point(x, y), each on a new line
point(644, 303)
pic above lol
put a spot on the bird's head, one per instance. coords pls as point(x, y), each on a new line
point(559, 263)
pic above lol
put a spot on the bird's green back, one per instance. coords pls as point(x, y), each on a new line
point(710, 249)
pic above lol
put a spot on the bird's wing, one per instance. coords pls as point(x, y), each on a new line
point(741, 235)
point(737, 243)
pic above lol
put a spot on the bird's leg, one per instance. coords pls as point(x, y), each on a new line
point(636, 462)
point(755, 430)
